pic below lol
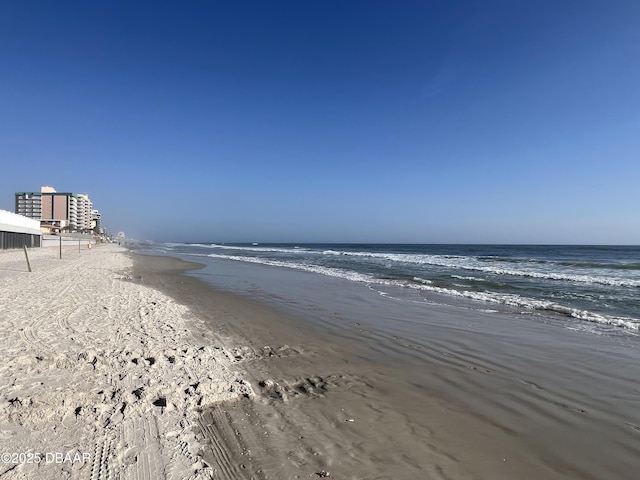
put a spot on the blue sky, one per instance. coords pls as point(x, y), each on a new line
point(320, 121)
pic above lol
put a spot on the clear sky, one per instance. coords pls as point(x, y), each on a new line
point(318, 121)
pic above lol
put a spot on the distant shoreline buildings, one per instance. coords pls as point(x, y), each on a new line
point(59, 211)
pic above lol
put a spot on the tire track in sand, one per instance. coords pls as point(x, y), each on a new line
point(102, 454)
point(142, 436)
point(30, 333)
point(223, 441)
point(30, 336)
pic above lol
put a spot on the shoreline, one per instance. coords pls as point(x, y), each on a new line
point(319, 400)
point(361, 418)
point(153, 372)
point(462, 403)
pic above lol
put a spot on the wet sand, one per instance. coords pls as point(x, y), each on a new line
point(320, 404)
point(361, 401)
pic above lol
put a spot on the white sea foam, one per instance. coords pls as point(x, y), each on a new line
point(528, 270)
point(496, 298)
point(252, 248)
point(473, 279)
point(588, 328)
point(329, 271)
point(534, 304)
point(248, 248)
point(592, 279)
point(473, 264)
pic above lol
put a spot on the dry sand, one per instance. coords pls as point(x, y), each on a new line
point(101, 377)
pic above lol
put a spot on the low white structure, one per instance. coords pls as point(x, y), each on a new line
point(17, 231)
point(68, 240)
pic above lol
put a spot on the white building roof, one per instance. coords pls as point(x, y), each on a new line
point(12, 222)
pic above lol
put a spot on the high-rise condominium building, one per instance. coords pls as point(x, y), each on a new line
point(29, 204)
point(56, 209)
point(85, 207)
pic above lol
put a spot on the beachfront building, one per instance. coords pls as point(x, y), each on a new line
point(17, 231)
point(84, 212)
point(59, 210)
point(28, 204)
point(96, 222)
point(56, 211)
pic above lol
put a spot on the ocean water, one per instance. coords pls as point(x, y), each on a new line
point(591, 287)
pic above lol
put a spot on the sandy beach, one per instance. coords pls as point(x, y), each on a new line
point(117, 365)
point(106, 375)
point(101, 377)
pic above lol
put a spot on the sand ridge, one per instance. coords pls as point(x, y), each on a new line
point(102, 370)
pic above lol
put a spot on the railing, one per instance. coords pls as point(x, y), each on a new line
point(68, 239)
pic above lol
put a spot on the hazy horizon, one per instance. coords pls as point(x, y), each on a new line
point(331, 122)
point(245, 243)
